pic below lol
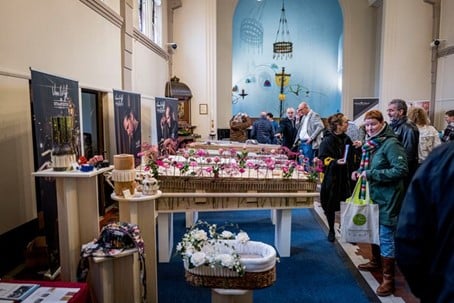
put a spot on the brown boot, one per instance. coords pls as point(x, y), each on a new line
point(375, 262)
point(386, 288)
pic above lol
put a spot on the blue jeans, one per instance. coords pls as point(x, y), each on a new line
point(387, 233)
point(307, 151)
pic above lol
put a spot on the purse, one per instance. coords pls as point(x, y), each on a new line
point(359, 218)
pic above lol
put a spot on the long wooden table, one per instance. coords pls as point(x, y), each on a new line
point(190, 197)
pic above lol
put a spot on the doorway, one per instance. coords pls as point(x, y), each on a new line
point(93, 139)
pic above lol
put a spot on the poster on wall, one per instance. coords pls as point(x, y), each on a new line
point(362, 105)
point(425, 104)
point(52, 97)
point(127, 118)
point(167, 124)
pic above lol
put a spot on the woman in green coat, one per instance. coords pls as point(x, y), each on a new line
point(384, 166)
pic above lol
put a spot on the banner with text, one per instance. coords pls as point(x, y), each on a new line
point(52, 96)
point(167, 124)
point(128, 133)
point(362, 105)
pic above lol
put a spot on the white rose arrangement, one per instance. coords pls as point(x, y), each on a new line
point(209, 245)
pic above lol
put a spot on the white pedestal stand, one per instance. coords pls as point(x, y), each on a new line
point(114, 279)
point(140, 210)
point(219, 295)
point(78, 214)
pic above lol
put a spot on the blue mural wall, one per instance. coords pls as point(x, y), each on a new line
point(315, 28)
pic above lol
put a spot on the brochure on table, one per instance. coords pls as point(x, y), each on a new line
point(51, 294)
point(16, 291)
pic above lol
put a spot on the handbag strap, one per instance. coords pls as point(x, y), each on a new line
point(368, 199)
point(356, 195)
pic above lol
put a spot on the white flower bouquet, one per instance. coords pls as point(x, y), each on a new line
point(213, 248)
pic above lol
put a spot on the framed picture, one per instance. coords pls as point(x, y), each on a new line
point(184, 111)
point(203, 109)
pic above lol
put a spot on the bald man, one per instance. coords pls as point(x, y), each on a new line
point(262, 130)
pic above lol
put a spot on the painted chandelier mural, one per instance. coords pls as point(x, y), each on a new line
point(284, 52)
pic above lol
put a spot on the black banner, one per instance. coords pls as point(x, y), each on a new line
point(127, 123)
point(52, 96)
point(362, 105)
point(167, 124)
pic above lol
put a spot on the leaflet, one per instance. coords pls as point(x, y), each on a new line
point(52, 294)
point(16, 291)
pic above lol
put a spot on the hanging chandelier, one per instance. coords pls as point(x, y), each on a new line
point(251, 30)
point(282, 47)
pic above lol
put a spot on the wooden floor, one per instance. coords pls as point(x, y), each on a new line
point(360, 253)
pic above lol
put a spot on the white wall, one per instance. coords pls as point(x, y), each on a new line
point(17, 195)
point(150, 73)
point(194, 62)
point(361, 51)
point(225, 11)
point(444, 96)
point(405, 51)
point(68, 39)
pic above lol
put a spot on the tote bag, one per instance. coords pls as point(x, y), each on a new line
point(359, 218)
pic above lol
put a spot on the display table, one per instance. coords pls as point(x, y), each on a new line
point(195, 194)
point(140, 210)
point(82, 296)
point(216, 145)
point(78, 214)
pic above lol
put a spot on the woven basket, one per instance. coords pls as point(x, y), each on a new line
point(210, 184)
point(250, 280)
point(259, 259)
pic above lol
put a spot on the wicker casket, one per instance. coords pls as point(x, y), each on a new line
point(225, 184)
point(258, 258)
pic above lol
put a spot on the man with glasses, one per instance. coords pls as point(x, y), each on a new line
point(287, 128)
point(310, 127)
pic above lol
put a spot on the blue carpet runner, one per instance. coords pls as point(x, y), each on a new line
point(317, 271)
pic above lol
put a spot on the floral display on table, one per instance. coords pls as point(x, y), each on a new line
point(313, 171)
point(205, 245)
point(229, 163)
point(150, 156)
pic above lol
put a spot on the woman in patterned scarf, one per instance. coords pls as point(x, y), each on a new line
point(384, 165)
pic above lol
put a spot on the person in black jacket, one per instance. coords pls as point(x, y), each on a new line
point(448, 133)
point(425, 230)
point(407, 132)
point(336, 185)
point(262, 130)
point(287, 128)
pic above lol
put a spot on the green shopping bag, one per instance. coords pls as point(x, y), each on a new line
point(355, 199)
point(360, 218)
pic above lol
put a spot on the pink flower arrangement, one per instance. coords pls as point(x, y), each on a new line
point(228, 163)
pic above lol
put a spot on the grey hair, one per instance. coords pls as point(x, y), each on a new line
point(400, 104)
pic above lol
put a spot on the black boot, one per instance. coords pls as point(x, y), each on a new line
point(330, 218)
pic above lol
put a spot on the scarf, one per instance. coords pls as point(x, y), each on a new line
point(370, 146)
